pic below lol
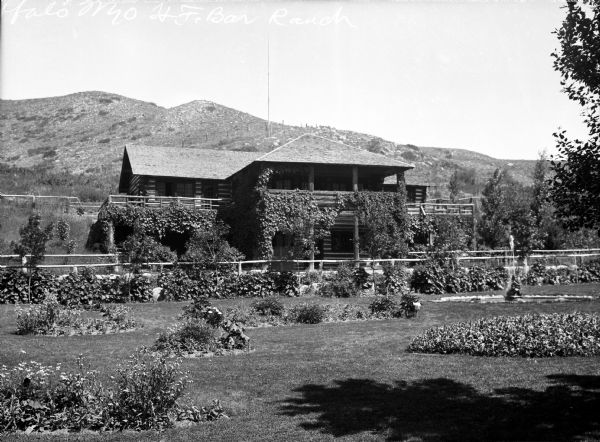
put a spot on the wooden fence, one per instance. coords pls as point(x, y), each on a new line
point(113, 263)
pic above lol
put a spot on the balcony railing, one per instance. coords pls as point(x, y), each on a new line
point(328, 197)
point(165, 201)
point(440, 209)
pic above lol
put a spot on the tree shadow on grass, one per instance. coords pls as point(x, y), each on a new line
point(443, 409)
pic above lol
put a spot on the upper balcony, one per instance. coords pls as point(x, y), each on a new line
point(165, 201)
point(327, 198)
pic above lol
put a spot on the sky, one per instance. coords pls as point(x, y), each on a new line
point(460, 74)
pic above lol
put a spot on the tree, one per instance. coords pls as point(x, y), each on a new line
point(32, 244)
point(208, 247)
point(453, 186)
point(506, 210)
point(549, 230)
point(575, 186)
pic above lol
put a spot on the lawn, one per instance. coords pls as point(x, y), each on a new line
point(356, 381)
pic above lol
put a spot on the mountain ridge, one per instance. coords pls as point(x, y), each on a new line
point(85, 132)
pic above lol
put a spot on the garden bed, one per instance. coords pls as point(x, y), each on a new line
point(521, 299)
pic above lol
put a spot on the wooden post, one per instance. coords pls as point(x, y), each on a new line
point(111, 235)
point(311, 187)
point(356, 238)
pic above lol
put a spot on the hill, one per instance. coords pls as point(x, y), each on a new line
point(84, 133)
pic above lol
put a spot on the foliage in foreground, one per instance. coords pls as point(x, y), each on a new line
point(143, 394)
point(532, 335)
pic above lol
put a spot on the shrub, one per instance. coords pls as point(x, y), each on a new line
point(14, 286)
point(307, 314)
point(410, 304)
point(286, 283)
point(187, 338)
point(341, 284)
point(51, 318)
point(385, 306)
point(346, 312)
point(395, 281)
point(533, 335)
point(143, 249)
point(178, 286)
point(268, 306)
point(137, 288)
point(146, 393)
point(46, 318)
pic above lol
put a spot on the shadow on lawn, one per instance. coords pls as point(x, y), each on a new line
point(443, 409)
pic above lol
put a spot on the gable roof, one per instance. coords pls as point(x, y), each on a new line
point(185, 162)
point(309, 148)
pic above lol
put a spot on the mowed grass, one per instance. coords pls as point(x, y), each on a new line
point(355, 380)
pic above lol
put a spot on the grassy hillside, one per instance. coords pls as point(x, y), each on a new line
point(84, 133)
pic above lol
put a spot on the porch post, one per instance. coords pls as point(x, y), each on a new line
point(355, 238)
point(311, 188)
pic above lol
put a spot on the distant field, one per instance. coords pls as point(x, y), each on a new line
point(356, 381)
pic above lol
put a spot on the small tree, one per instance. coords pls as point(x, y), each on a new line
point(32, 245)
point(453, 187)
point(208, 247)
point(506, 210)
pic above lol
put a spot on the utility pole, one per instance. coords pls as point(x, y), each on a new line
point(268, 86)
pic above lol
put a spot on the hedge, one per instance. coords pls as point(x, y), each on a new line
point(87, 289)
point(192, 283)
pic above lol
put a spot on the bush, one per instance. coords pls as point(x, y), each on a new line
point(178, 286)
point(341, 284)
point(534, 335)
point(187, 338)
point(147, 390)
point(307, 314)
point(395, 281)
point(268, 306)
point(143, 249)
point(385, 306)
point(14, 286)
point(437, 277)
point(46, 318)
point(51, 318)
point(38, 398)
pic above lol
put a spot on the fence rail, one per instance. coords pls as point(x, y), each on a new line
point(114, 264)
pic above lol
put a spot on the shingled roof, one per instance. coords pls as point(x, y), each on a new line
point(314, 149)
point(182, 162)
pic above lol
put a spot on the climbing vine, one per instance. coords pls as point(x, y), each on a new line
point(175, 222)
point(295, 213)
point(384, 222)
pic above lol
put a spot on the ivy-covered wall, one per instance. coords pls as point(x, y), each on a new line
point(171, 226)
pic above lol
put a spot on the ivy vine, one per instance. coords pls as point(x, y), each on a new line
point(156, 222)
point(296, 213)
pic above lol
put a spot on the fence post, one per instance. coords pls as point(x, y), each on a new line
point(239, 267)
point(24, 264)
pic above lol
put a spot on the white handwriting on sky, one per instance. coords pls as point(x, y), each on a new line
point(180, 13)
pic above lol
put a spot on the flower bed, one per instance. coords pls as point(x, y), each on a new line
point(143, 394)
point(382, 307)
point(53, 319)
point(534, 335)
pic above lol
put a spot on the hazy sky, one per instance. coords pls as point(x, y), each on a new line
point(462, 74)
